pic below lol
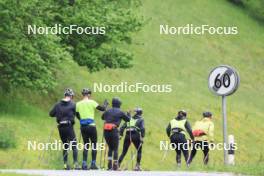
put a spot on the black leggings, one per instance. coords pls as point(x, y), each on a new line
point(67, 136)
point(89, 135)
point(112, 140)
point(205, 148)
point(135, 139)
point(181, 145)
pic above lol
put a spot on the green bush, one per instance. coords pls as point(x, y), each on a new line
point(255, 7)
point(7, 137)
point(32, 61)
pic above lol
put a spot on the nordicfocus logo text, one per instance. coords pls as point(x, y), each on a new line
point(166, 145)
point(191, 29)
point(58, 145)
point(124, 87)
point(66, 30)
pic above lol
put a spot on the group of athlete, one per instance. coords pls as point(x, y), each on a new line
point(66, 110)
point(202, 136)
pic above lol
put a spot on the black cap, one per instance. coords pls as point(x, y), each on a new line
point(68, 92)
point(182, 113)
point(116, 102)
point(86, 91)
point(207, 114)
point(138, 111)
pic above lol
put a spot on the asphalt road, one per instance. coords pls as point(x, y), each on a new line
point(112, 173)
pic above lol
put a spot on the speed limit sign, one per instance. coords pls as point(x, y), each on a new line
point(223, 80)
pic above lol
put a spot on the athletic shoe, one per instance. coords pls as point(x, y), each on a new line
point(115, 166)
point(66, 167)
point(84, 166)
point(137, 168)
point(178, 165)
point(76, 166)
point(93, 167)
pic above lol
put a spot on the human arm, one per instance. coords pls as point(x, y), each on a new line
point(125, 116)
point(142, 127)
point(78, 115)
point(53, 111)
point(102, 107)
point(189, 129)
point(122, 129)
point(168, 130)
point(103, 116)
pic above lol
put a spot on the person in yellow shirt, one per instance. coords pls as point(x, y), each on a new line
point(85, 112)
point(203, 132)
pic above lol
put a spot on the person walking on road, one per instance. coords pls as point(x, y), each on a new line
point(112, 118)
point(135, 133)
point(85, 112)
point(177, 131)
point(65, 111)
point(203, 132)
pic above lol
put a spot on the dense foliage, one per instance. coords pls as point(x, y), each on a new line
point(7, 137)
point(255, 7)
point(31, 60)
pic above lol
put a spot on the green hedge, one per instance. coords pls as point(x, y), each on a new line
point(7, 137)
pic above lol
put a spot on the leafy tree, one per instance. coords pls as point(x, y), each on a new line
point(27, 60)
point(255, 7)
point(100, 51)
point(31, 60)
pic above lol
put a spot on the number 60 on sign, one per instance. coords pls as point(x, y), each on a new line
point(223, 80)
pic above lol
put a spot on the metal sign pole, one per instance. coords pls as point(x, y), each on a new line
point(224, 81)
point(225, 129)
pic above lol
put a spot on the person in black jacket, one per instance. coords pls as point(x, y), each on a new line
point(64, 111)
point(135, 133)
point(177, 131)
point(112, 118)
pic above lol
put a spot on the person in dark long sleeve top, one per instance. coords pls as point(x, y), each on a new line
point(65, 111)
point(135, 132)
point(177, 131)
point(112, 118)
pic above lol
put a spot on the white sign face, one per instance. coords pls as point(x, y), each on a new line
point(223, 80)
